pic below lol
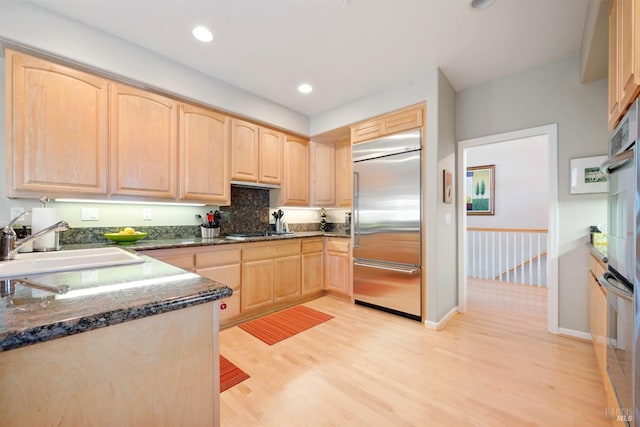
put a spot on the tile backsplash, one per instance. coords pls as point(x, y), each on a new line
point(249, 211)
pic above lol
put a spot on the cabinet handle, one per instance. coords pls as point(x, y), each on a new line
point(386, 267)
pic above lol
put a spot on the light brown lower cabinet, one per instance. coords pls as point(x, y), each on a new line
point(222, 264)
point(312, 265)
point(152, 371)
point(270, 275)
point(598, 326)
point(337, 268)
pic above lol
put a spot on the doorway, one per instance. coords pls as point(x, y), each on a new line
point(548, 132)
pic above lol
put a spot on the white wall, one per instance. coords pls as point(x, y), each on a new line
point(432, 87)
point(443, 251)
point(540, 96)
point(521, 181)
point(37, 28)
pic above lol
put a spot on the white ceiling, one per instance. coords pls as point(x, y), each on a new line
point(344, 48)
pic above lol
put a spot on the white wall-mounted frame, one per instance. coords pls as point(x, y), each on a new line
point(586, 176)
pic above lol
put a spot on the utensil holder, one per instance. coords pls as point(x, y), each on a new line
point(209, 232)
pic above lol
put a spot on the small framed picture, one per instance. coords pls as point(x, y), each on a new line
point(586, 176)
point(447, 179)
point(480, 186)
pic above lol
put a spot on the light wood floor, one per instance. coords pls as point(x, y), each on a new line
point(491, 366)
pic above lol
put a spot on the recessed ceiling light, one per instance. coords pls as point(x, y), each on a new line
point(481, 4)
point(202, 34)
point(305, 88)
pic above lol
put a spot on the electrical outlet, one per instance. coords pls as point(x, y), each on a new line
point(146, 214)
point(89, 214)
point(15, 211)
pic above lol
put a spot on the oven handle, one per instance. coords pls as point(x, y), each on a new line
point(605, 280)
point(617, 161)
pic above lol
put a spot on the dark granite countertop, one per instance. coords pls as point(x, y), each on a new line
point(145, 244)
point(98, 298)
point(108, 296)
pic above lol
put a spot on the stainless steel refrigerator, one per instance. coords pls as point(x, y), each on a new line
point(387, 212)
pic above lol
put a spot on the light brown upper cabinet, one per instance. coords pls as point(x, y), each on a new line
point(256, 153)
point(624, 57)
point(323, 173)
point(405, 119)
point(344, 174)
point(204, 155)
point(244, 151)
point(295, 183)
point(56, 129)
point(143, 143)
point(271, 145)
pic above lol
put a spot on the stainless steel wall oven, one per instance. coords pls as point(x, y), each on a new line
point(622, 275)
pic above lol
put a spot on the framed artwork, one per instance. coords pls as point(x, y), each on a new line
point(447, 179)
point(480, 198)
point(586, 176)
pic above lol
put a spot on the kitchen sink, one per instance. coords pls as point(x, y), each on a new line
point(26, 264)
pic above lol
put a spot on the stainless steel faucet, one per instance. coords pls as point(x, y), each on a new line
point(9, 243)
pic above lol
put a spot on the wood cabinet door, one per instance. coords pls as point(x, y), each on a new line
point(287, 278)
point(312, 272)
point(57, 131)
point(629, 50)
point(244, 151)
point(614, 105)
point(144, 143)
point(295, 185)
point(257, 285)
point(204, 156)
point(271, 154)
point(323, 174)
point(337, 272)
point(344, 175)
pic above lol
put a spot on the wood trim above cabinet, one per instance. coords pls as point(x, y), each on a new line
point(408, 118)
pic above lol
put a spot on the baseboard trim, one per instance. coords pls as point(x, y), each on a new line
point(572, 333)
point(442, 322)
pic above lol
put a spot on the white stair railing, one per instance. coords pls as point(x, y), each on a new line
point(516, 255)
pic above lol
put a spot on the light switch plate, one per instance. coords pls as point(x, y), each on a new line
point(146, 214)
point(89, 214)
point(15, 211)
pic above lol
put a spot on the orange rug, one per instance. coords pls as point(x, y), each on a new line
point(284, 324)
point(230, 374)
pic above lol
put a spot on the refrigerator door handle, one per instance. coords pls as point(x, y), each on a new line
point(356, 210)
point(411, 270)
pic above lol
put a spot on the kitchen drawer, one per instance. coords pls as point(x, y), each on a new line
point(338, 245)
point(226, 274)
point(181, 258)
point(270, 250)
point(217, 258)
point(233, 306)
point(312, 245)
